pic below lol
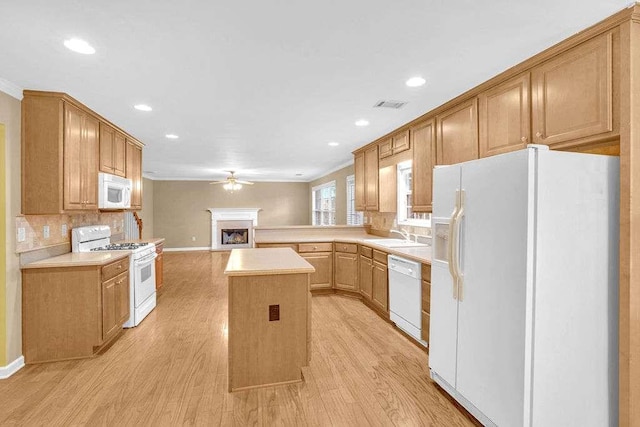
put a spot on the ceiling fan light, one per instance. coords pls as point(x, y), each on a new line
point(237, 186)
point(228, 186)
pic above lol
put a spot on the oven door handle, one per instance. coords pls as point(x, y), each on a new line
point(146, 260)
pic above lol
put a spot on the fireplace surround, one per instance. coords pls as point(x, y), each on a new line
point(238, 225)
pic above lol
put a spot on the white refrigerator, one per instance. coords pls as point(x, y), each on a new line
point(524, 297)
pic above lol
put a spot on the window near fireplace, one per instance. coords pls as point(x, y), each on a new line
point(234, 236)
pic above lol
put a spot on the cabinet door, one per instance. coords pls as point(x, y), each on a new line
point(134, 173)
point(572, 93)
point(119, 154)
point(73, 136)
point(380, 292)
point(122, 299)
point(401, 142)
point(107, 137)
point(371, 178)
point(159, 271)
point(323, 263)
point(366, 277)
point(505, 117)
point(388, 190)
point(423, 140)
point(109, 308)
point(358, 165)
point(458, 133)
point(90, 155)
point(346, 276)
point(385, 148)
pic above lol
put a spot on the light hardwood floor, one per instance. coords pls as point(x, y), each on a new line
point(172, 369)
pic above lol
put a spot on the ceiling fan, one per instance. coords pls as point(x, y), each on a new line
point(231, 183)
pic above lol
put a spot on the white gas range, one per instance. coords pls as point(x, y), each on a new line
point(142, 270)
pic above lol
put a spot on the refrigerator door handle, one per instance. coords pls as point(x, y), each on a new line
point(456, 246)
point(452, 226)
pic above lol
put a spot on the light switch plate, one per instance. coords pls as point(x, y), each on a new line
point(63, 230)
point(45, 231)
point(22, 234)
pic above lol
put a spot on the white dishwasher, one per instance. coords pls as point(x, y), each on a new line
point(405, 295)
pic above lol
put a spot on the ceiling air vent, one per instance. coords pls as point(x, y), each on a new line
point(390, 104)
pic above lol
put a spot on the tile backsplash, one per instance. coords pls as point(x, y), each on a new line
point(34, 227)
point(382, 222)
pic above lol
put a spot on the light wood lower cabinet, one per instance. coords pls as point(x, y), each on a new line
point(346, 266)
point(323, 263)
point(72, 312)
point(159, 265)
point(426, 301)
point(380, 291)
point(366, 277)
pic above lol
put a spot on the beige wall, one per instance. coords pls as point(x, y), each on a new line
point(340, 176)
point(10, 117)
point(146, 213)
point(180, 207)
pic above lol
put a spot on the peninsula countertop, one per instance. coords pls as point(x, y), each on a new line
point(267, 261)
point(78, 259)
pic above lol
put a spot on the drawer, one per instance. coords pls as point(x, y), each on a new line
point(380, 256)
point(426, 296)
point(426, 272)
point(159, 248)
point(115, 268)
point(366, 251)
point(279, 245)
point(315, 247)
point(351, 248)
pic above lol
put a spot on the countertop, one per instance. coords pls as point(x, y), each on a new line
point(421, 254)
point(267, 261)
point(155, 240)
point(78, 259)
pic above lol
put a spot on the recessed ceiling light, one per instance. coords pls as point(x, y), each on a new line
point(79, 46)
point(362, 122)
point(333, 144)
point(171, 136)
point(415, 81)
point(142, 107)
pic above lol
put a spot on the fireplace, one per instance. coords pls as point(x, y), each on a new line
point(232, 228)
point(234, 236)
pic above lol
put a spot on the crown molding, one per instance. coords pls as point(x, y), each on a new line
point(10, 89)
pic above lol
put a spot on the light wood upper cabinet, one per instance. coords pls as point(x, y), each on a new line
point(423, 140)
point(134, 172)
point(112, 150)
point(457, 133)
point(385, 148)
point(371, 178)
point(358, 166)
point(388, 189)
point(572, 93)
point(394, 145)
point(80, 159)
point(505, 116)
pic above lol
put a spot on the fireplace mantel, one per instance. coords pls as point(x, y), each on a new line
point(220, 215)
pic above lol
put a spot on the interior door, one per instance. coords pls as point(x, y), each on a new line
point(493, 265)
point(444, 307)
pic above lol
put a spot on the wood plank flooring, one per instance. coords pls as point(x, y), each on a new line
point(172, 369)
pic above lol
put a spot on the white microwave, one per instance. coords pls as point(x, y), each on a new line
point(114, 192)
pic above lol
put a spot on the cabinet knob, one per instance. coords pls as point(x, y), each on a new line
point(524, 139)
point(315, 247)
point(119, 282)
point(540, 135)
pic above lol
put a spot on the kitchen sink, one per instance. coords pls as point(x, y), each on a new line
point(395, 243)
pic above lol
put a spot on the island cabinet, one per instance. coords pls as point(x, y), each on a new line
point(380, 283)
point(112, 150)
point(269, 317)
point(573, 94)
point(426, 301)
point(346, 266)
point(457, 133)
point(60, 149)
point(365, 273)
point(134, 172)
point(320, 256)
point(423, 141)
point(71, 312)
point(505, 117)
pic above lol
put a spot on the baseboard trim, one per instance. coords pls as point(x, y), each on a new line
point(202, 248)
point(11, 368)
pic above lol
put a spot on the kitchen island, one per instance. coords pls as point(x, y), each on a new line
point(269, 317)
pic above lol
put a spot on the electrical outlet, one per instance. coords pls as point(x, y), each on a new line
point(63, 229)
point(274, 312)
point(45, 231)
point(193, 238)
point(22, 234)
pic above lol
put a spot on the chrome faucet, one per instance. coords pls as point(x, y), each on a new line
point(403, 233)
